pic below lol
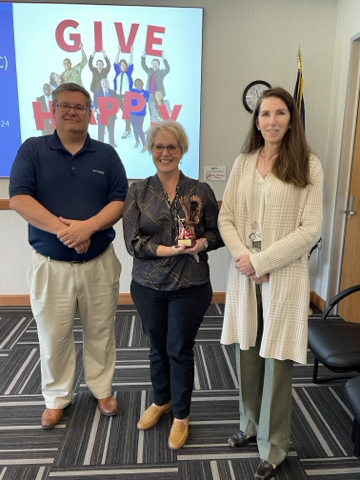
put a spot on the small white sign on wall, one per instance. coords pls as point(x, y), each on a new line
point(215, 173)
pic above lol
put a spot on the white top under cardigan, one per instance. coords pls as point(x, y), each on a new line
point(291, 226)
point(259, 205)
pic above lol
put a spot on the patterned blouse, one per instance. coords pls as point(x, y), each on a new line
point(148, 223)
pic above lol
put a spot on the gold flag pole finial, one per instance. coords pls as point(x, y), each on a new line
point(299, 59)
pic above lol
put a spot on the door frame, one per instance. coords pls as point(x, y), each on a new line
point(345, 165)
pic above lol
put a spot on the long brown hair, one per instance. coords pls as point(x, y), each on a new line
point(156, 102)
point(292, 162)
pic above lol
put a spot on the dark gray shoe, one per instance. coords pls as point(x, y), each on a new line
point(239, 439)
point(265, 470)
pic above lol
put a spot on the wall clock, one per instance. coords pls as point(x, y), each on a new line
point(252, 93)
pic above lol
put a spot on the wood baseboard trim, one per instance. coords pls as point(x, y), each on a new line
point(124, 299)
point(218, 297)
point(15, 300)
point(319, 302)
point(4, 204)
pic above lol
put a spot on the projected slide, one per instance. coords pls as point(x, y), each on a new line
point(150, 56)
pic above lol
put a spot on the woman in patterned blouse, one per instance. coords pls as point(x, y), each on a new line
point(170, 281)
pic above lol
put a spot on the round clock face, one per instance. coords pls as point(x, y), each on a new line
point(252, 93)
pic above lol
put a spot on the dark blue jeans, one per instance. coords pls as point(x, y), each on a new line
point(137, 122)
point(171, 320)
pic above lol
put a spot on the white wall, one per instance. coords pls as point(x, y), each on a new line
point(245, 40)
point(348, 25)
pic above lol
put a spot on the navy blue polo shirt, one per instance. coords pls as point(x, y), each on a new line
point(72, 186)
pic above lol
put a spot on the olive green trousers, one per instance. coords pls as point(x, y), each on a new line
point(265, 397)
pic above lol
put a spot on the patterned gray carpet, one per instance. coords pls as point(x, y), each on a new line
point(86, 445)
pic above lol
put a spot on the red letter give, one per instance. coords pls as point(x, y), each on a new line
point(150, 40)
point(74, 37)
point(98, 36)
point(125, 47)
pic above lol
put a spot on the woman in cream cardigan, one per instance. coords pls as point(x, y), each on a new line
point(270, 218)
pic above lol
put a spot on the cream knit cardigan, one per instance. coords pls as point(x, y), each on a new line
point(292, 225)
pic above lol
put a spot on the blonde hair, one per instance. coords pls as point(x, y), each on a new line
point(169, 126)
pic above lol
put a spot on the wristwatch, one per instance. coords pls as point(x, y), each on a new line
point(206, 245)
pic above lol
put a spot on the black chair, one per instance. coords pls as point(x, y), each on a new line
point(335, 342)
point(352, 389)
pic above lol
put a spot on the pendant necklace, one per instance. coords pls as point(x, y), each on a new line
point(266, 170)
point(174, 207)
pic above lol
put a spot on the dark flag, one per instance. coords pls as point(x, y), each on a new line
point(299, 90)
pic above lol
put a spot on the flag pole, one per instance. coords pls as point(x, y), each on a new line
point(299, 89)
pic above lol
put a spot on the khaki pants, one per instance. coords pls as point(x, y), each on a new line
point(57, 291)
point(265, 397)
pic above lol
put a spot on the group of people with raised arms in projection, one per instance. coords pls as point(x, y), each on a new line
point(153, 93)
point(72, 190)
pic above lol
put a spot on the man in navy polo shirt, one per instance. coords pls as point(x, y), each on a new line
point(71, 189)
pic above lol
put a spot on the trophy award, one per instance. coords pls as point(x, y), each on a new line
point(192, 208)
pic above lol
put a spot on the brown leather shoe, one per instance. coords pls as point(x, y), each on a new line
point(151, 416)
point(108, 406)
point(178, 435)
point(51, 417)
